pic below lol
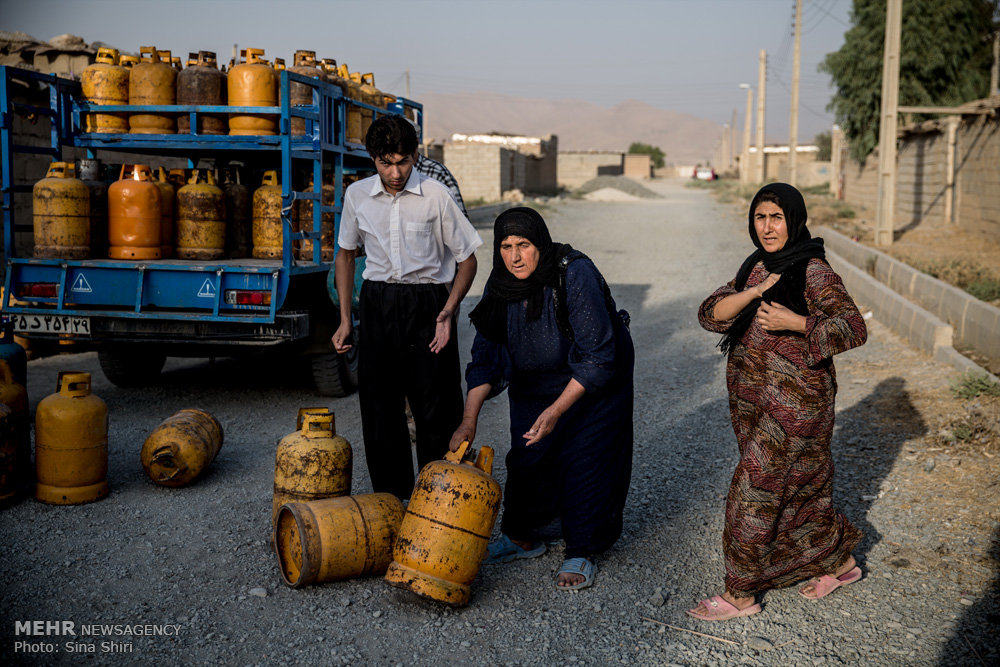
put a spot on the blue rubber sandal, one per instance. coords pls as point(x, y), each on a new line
point(504, 550)
point(582, 566)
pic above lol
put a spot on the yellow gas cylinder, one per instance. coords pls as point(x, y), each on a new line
point(177, 178)
point(201, 219)
point(71, 443)
point(351, 85)
point(253, 83)
point(239, 223)
point(167, 204)
point(61, 210)
point(134, 215)
point(313, 462)
point(201, 83)
point(105, 82)
point(15, 398)
point(152, 81)
point(370, 95)
point(336, 538)
point(447, 527)
point(279, 64)
point(299, 93)
point(181, 447)
point(304, 222)
point(175, 62)
point(128, 61)
point(267, 239)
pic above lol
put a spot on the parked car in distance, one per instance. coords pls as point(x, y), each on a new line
point(705, 174)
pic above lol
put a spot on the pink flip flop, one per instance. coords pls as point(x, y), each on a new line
point(720, 609)
point(823, 586)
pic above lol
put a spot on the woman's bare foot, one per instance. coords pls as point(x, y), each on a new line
point(569, 579)
point(810, 589)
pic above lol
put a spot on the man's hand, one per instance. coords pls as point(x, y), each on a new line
point(442, 331)
point(340, 337)
point(775, 317)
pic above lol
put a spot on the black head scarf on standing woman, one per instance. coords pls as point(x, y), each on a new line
point(502, 288)
point(790, 261)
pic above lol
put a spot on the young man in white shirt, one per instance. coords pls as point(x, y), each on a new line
point(420, 263)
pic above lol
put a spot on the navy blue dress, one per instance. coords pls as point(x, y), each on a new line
point(580, 472)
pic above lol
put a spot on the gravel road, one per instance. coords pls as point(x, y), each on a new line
point(198, 558)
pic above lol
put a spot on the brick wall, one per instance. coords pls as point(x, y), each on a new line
point(638, 166)
point(575, 169)
point(481, 170)
point(978, 179)
point(921, 180)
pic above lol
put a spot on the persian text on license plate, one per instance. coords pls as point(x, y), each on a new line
point(64, 324)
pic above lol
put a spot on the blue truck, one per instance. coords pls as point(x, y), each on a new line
point(137, 313)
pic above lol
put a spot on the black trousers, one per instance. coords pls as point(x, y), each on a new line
point(395, 364)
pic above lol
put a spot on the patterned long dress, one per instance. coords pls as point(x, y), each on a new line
point(781, 526)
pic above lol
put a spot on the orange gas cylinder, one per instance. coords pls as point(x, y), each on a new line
point(91, 172)
point(267, 232)
point(71, 443)
point(253, 83)
point(447, 527)
point(17, 423)
point(299, 93)
point(152, 81)
point(134, 215)
point(201, 219)
point(304, 222)
point(336, 538)
point(201, 83)
point(239, 222)
point(61, 208)
point(181, 447)
point(313, 462)
point(168, 196)
point(105, 82)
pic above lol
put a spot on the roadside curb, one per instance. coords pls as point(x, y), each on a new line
point(918, 326)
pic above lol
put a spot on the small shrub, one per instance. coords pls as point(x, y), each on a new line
point(962, 431)
point(973, 385)
point(845, 212)
point(984, 290)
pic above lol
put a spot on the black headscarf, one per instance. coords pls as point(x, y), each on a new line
point(790, 261)
point(490, 314)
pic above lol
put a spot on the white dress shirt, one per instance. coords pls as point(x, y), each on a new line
point(415, 236)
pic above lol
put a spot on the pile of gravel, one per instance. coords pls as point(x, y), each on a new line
point(622, 183)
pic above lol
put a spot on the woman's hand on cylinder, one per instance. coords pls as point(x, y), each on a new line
point(544, 425)
point(775, 317)
point(766, 285)
point(442, 331)
point(465, 431)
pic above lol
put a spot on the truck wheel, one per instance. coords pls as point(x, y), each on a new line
point(128, 366)
point(335, 374)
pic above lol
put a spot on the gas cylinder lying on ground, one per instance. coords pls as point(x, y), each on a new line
point(336, 538)
point(447, 527)
point(181, 447)
point(313, 462)
point(71, 443)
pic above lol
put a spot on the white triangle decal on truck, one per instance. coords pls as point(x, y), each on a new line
point(207, 289)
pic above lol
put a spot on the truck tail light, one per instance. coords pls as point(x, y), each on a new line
point(44, 290)
point(240, 297)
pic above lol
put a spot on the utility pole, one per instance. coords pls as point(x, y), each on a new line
point(723, 160)
point(745, 155)
point(995, 70)
point(793, 122)
point(732, 142)
point(887, 126)
point(761, 174)
point(407, 84)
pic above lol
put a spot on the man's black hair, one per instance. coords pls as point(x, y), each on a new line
point(391, 134)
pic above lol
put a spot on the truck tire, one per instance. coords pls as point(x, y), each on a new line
point(335, 374)
point(131, 366)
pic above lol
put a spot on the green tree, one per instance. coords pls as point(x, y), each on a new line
point(654, 153)
point(823, 141)
point(945, 58)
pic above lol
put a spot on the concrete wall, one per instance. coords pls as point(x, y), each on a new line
point(638, 166)
point(576, 168)
point(978, 182)
point(479, 170)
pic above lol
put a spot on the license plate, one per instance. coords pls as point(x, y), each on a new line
point(51, 324)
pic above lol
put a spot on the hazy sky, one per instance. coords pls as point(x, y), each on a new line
point(684, 55)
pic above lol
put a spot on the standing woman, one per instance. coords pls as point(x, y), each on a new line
point(548, 330)
point(783, 317)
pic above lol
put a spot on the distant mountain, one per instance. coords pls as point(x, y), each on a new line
point(579, 125)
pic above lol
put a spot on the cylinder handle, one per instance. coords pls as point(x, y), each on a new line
point(308, 411)
point(73, 384)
